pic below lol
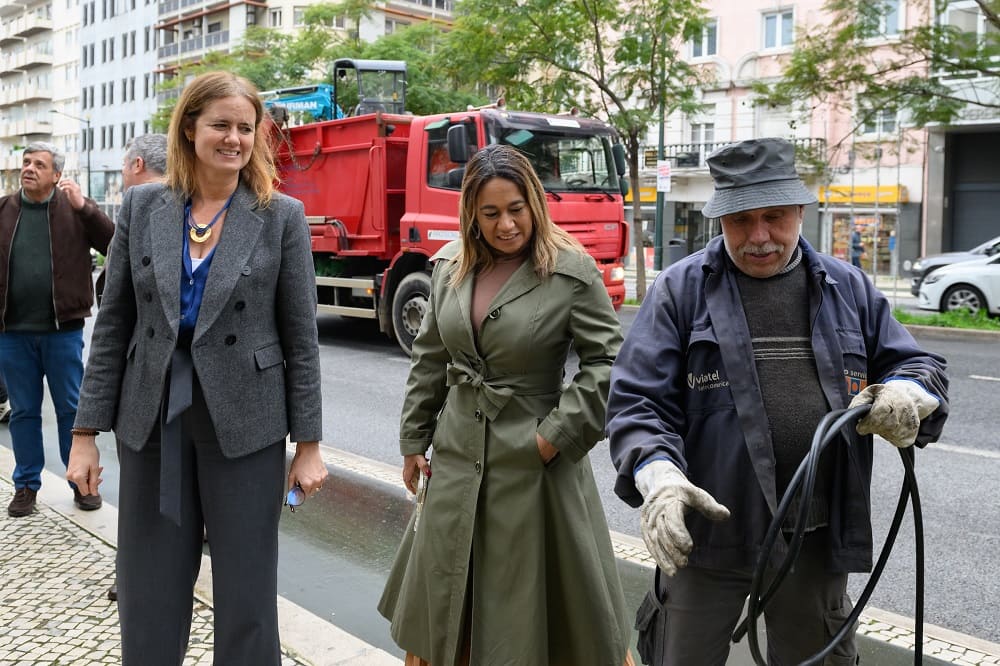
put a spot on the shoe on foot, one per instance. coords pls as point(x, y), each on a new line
point(113, 591)
point(87, 502)
point(22, 504)
point(5, 411)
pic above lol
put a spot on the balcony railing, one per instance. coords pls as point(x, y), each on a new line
point(192, 44)
point(216, 38)
point(25, 26)
point(25, 94)
point(692, 155)
point(25, 128)
point(168, 50)
point(24, 60)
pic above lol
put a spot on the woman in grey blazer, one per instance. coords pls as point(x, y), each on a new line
point(204, 358)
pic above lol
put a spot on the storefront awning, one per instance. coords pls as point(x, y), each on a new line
point(863, 194)
point(646, 195)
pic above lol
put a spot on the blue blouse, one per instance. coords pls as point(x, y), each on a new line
point(192, 290)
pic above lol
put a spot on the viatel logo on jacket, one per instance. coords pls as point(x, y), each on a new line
point(706, 380)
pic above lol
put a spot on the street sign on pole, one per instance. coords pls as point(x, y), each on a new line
point(663, 175)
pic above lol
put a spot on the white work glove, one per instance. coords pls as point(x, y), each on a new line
point(898, 406)
point(668, 497)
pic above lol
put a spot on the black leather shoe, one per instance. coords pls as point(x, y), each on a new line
point(87, 502)
point(23, 503)
point(113, 591)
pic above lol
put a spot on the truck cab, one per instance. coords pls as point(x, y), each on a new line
point(573, 158)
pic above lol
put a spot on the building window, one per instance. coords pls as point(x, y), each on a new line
point(706, 44)
point(274, 18)
point(145, 87)
point(394, 26)
point(879, 122)
point(880, 19)
point(298, 16)
point(702, 133)
point(778, 29)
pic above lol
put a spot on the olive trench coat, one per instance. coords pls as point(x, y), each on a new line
point(525, 544)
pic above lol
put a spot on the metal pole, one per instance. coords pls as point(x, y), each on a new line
point(658, 223)
point(89, 172)
point(878, 219)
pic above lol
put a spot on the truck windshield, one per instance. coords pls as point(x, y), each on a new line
point(567, 162)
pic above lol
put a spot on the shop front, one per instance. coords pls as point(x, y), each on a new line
point(876, 214)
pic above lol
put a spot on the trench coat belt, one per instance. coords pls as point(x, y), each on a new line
point(492, 393)
point(179, 391)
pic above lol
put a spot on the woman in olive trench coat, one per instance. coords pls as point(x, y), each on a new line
point(511, 556)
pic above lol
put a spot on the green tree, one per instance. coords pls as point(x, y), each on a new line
point(930, 72)
point(612, 60)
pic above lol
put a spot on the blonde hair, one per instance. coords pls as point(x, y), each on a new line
point(259, 173)
point(547, 239)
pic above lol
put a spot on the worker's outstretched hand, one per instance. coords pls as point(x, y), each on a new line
point(898, 406)
point(668, 497)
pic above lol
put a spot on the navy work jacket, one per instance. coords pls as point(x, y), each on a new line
point(685, 389)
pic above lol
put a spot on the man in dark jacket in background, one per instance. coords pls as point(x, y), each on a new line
point(47, 230)
point(736, 354)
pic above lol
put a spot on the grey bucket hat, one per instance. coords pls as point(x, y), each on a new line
point(754, 174)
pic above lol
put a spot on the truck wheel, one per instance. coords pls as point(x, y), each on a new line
point(409, 307)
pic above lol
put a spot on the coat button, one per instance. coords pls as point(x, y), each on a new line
point(149, 297)
point(479, 467)
point(246, 270)
point(240, 305)
point(230, 340)
point(479, 415)
point(150, 332)
point(145, 261)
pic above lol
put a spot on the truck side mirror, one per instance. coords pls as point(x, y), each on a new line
point(458, 144)
point(618, 153)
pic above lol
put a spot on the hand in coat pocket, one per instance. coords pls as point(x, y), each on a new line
point(545, 449)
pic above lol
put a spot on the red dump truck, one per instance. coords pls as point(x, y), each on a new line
point(381, 190)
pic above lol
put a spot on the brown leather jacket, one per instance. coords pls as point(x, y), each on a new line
point(72, 234)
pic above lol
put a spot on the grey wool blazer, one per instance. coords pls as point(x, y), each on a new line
point(255, 346)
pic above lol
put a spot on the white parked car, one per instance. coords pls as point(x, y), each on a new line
point(969, 285)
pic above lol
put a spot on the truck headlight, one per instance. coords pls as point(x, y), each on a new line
point(617, 274)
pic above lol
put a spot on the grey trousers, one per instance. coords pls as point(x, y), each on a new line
point(697, 610)
point(239, 502)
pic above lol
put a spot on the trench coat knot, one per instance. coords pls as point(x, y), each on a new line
point(491, 395)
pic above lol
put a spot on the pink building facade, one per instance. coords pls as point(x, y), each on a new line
point(898, 182)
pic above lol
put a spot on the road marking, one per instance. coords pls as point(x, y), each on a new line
point(965, 449)
point(984, 378)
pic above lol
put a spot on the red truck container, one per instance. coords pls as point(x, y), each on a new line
point(381, 193)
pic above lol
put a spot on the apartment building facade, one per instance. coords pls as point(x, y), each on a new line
point(899, 183)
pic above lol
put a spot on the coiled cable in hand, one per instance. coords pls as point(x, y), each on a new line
point(803, 483)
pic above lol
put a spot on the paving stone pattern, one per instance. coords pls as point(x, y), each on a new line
point(54, 611)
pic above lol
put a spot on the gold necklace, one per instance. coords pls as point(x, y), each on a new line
point(199, 233)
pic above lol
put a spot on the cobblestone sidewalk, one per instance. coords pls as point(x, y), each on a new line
point(54, 611)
